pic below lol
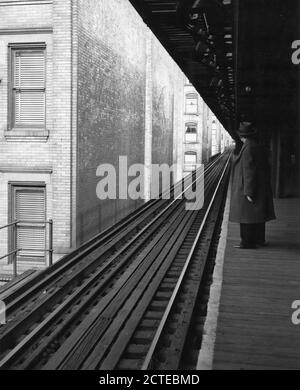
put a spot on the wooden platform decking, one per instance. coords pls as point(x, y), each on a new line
point(254, 328)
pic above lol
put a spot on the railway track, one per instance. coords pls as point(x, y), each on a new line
point(81, 263)
point(110, 304)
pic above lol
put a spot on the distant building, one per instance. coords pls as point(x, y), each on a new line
point(193, 128)
point(202, 135)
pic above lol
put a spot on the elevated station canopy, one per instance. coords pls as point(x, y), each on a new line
point(237, 53)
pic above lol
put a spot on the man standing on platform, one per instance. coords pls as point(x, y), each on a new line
point(252, 199)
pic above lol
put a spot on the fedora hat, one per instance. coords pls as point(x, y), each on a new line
point(247, 130)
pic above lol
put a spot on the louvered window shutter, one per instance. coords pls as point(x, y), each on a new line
point(29, 208)
point(29, 88)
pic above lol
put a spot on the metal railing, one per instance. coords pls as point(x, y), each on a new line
point(15, 252)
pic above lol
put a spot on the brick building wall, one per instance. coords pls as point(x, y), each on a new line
point(207, 139)
point(165, 85)
point(111, 104)
point(62, 122)
point(39, 156)
point(126, 92)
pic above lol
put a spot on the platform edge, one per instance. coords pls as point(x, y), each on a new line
point(206, 355)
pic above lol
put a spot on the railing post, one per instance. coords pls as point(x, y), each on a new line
point(50, 242)
point(15, 255)
point(15, 270)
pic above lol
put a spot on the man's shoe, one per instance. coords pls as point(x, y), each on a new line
point(243, 246)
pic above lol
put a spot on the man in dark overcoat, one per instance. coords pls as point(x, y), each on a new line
point(252, 199)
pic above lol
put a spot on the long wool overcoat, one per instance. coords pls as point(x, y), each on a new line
point(251, 177)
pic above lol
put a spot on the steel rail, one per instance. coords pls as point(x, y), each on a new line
point(150, 354)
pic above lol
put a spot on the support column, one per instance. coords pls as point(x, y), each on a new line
point(148, 117)
point(178, 129)
point(275, 163)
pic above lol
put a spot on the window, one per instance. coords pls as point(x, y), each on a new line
point(28, 205)
point(190, 161)
point(28, 87)
point(191, 104)
point(191, 133)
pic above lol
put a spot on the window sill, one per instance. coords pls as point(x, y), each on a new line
point(26, 135)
